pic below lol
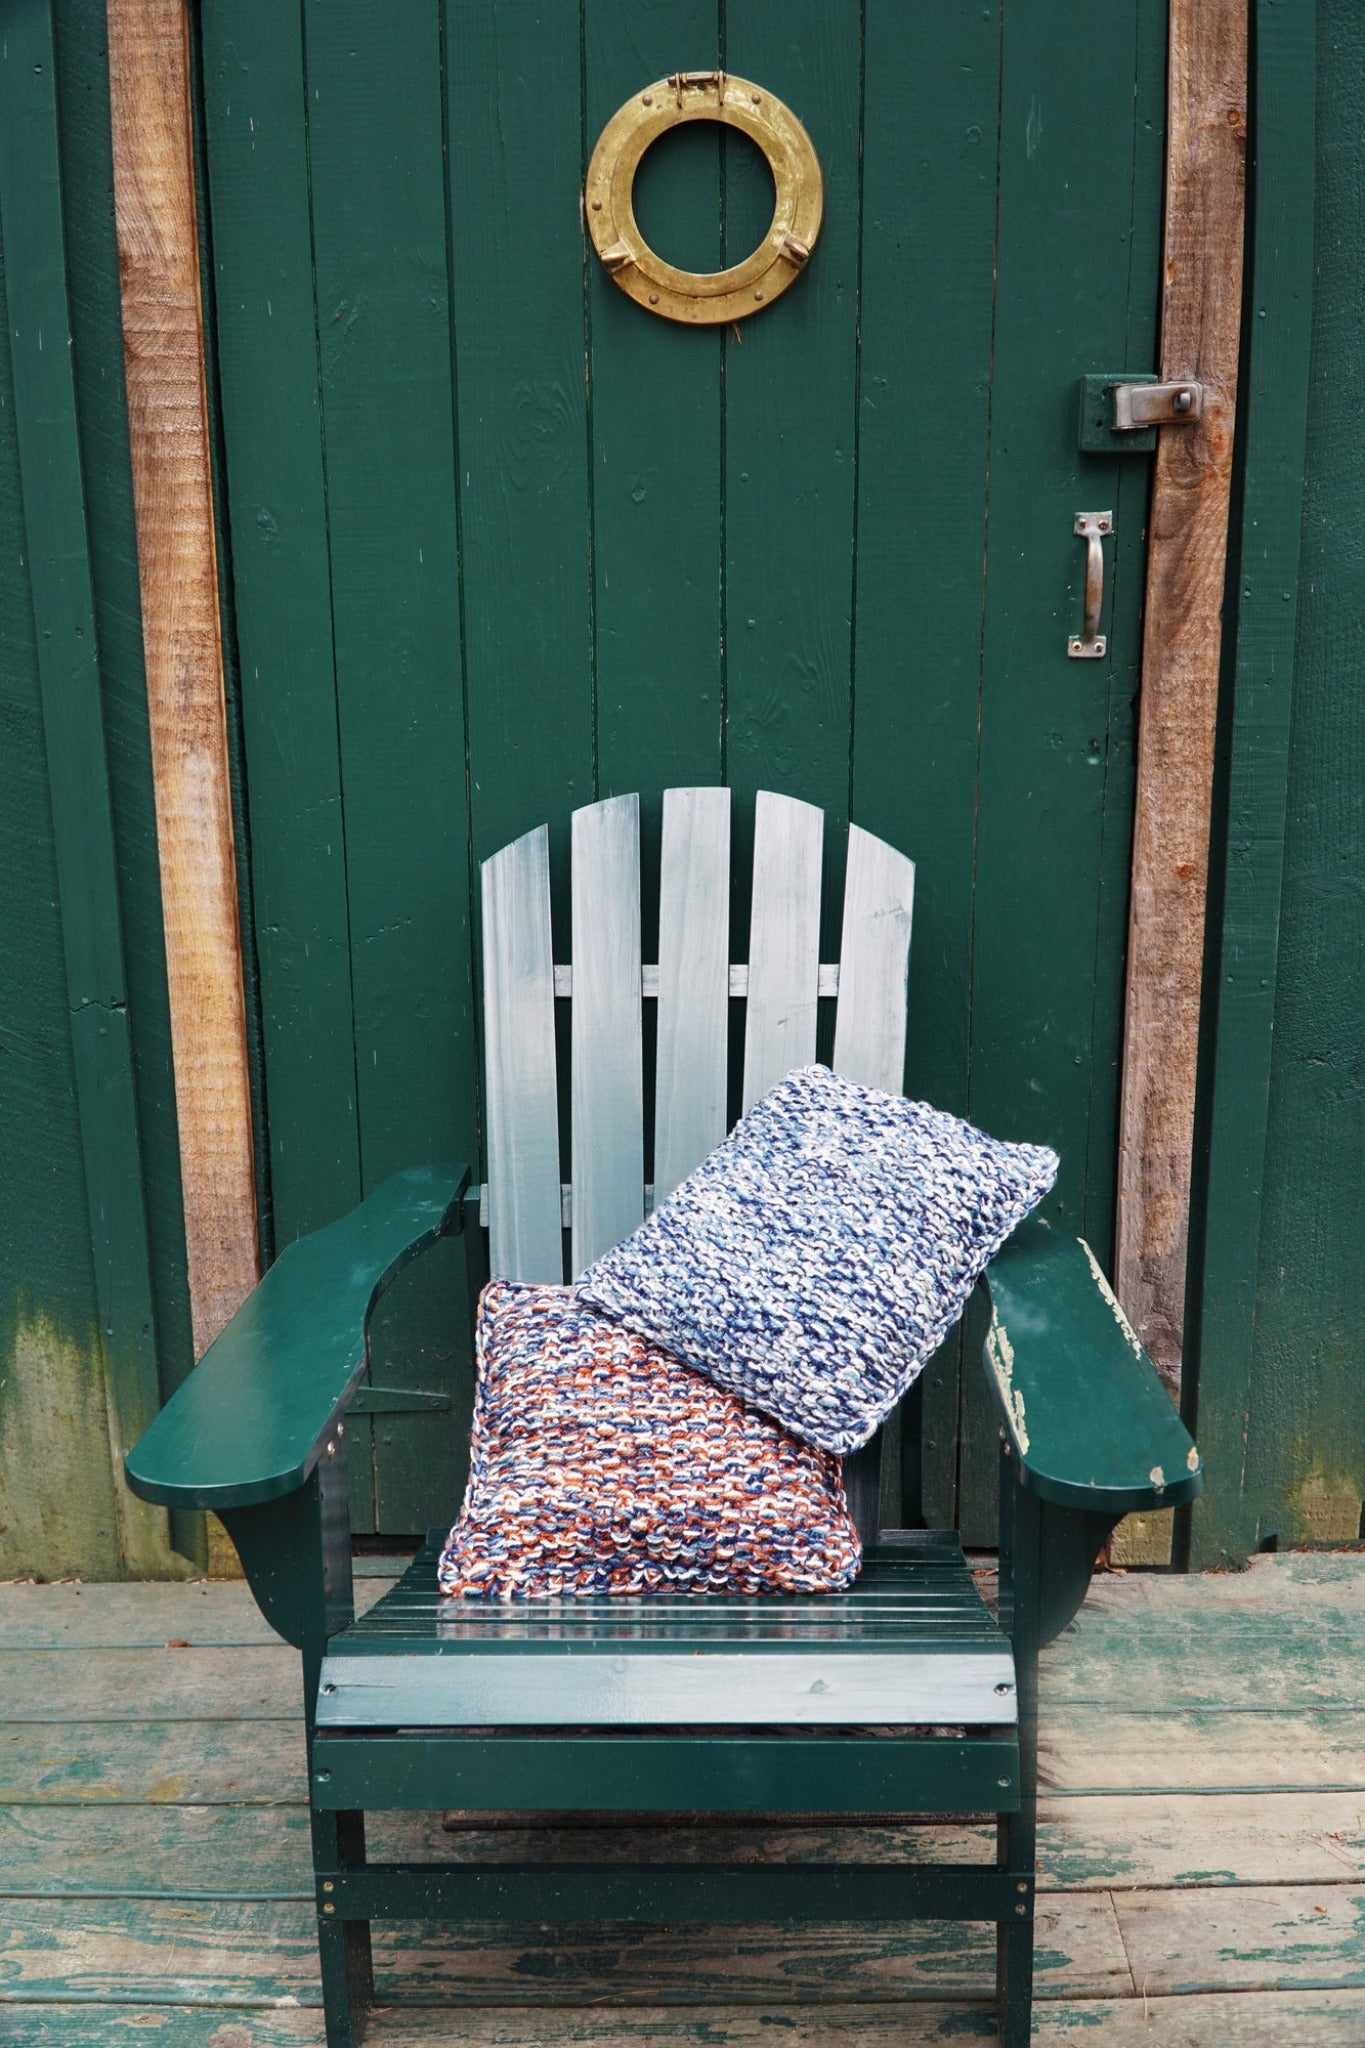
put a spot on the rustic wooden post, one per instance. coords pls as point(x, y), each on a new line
point(177, 564)
point(1200, 326)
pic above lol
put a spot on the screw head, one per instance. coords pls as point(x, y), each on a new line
point(1018, 1909)
point(758, 295)
point(329, 1909)
point(329, 1687)
point(597, 206)
point(328, 1886)
point(646, 99)
point(1004, 1687)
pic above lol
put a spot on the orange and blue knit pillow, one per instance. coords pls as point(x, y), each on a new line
point(599, 1464)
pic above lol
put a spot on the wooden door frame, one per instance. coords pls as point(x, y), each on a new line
point(177, 552)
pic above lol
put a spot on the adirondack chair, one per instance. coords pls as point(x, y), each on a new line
point(903, 1695)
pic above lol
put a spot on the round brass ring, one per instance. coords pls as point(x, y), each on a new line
point(704, 298)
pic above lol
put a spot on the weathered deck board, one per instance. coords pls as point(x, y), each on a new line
point(1312, 2019)
point(248, 1951)
point(190, 1763)
point(73, 1616)
point(1259, 1938)
point(261, 1851)
point(1090, 1749)
point(172, 1682)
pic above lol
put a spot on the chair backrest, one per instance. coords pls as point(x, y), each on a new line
point(527, 1203)
point(694, 986)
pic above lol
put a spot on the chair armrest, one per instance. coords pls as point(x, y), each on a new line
point(1084, 1412)
point(249, 1423)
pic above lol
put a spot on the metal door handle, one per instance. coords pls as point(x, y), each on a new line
point(1091, 643)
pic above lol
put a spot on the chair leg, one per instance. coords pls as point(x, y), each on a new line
point(343, 1945)
point(347, 1979)
point(1013, 1981)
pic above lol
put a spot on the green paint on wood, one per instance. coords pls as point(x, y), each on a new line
point(67, 649)
point(1304, 1473)
point(1246, 1391)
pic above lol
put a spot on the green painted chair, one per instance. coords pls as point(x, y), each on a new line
point(903, 1695)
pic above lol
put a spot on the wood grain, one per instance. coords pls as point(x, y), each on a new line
point(608, 1147)
point(177, 565)
point(1254, 2019)
point(1201, 319)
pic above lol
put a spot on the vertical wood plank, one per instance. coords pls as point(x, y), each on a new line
point(930, 149)
point(874, 963)
point(514, 200)
point(608, 1146)
point(1200, 328)
point(1226, 1269)
point(257, 155)
point(694, 983)
point(177, 563)
point(68, 664)
point(784, 942)
point(376, 152)
point(1306, 1484)
point(655, 396)
point(1074, 269)
point(524, 1240)
point(790, 440)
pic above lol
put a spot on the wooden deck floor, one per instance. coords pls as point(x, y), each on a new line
point(1202, 1850)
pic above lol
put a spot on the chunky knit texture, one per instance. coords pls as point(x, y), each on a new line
point(815, 1261)
point(599, 1464)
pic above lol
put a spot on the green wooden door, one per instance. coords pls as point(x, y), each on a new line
point(502, 543)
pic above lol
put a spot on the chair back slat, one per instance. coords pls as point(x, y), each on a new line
point(694, 983)
point(874, 963)
point(524, 1241)
point(607, 1124)
point(784, 942)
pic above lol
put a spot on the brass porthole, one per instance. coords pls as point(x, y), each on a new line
point(704, 298)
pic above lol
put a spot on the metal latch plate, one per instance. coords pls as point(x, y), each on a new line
point(1120, 414)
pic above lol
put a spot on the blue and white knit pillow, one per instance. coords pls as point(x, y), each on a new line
point(815, 1261)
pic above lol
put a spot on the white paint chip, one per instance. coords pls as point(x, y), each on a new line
point(1000, 1352)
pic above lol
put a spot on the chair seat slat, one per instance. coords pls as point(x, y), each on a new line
point(608, 1124)
point(874, 961)
point(784, 942)
point(524, 1240)
point(694, 982)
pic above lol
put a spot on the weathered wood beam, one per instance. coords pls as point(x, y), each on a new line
point(1188, 528)
point(177, 566)
point(47, 433)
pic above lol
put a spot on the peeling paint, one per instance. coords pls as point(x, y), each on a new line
point(1107, 1291)
point(1000, 1352)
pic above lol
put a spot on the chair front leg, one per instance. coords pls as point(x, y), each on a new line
point(1021, 1582)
